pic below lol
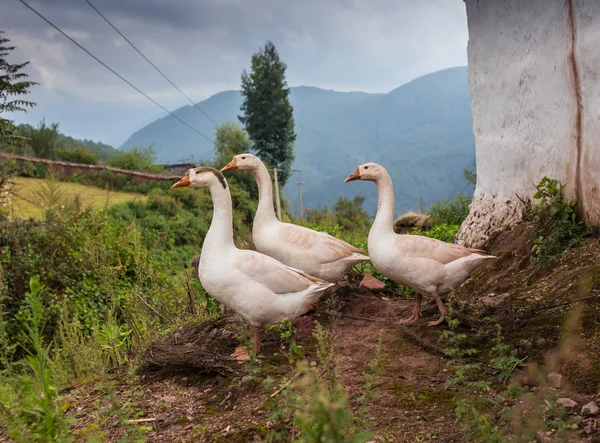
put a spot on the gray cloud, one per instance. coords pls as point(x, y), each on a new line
point(203, 46)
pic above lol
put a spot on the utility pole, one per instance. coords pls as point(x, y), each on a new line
point(277, 199)
point(300, 199)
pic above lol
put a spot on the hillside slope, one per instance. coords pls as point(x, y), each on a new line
point(421, 132)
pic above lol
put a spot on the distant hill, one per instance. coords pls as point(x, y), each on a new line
point(421, 132)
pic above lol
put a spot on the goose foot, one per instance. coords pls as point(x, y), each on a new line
point(436, 322)
point(442, 309)
point(416, 312)
point(241, 354)
point(412, 319)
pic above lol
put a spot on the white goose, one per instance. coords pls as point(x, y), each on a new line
point(259, 288)
point(427, 265)
point(316, 253)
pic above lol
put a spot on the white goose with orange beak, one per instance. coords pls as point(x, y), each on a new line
point(258, 287)
point(429, 266)
point(316, 253)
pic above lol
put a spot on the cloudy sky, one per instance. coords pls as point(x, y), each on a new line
point(203, 45)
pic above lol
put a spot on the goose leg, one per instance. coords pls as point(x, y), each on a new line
point(441, 307)
point(256, 339)
point(241, 352)
point(416, 312)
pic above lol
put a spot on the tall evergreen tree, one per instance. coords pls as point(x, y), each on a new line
point(267, 112)
point(13, 84)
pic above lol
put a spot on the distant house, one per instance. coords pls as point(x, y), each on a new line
point(180, 168)
point(405, 223)
point(535, 98)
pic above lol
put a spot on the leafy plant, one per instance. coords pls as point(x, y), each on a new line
point(555, 224)
point(13, 85)
point(30, 404)
point(450, 212)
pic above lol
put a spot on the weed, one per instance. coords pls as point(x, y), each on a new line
point(555, 224)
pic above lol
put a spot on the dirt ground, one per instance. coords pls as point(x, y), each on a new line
point(412, 404)
point(532, 304)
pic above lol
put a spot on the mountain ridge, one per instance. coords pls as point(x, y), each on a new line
point(421, 132)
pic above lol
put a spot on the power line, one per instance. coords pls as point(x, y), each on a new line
point(151, 64)
point(115, 72)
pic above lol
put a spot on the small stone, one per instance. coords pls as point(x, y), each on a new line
point(566, 402)
point(313, 363)
point(524, 343)
point(371, 282)
point(493, 301)
point(540, 342)
point(514, 352)
point(555, 380)
point(590, 409)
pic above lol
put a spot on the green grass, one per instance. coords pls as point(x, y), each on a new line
point(26, 203)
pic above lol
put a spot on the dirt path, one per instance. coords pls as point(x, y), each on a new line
point(411, 404)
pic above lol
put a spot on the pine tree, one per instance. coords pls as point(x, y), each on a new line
point(12, 85)
point(267, 112)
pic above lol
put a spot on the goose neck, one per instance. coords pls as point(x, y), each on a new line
point(265, 210)
point(384, 219)
point(220, 232)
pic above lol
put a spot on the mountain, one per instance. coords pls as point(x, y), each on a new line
point(420, 132)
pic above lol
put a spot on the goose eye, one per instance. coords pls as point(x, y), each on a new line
point(243, 158)
point(366, 167)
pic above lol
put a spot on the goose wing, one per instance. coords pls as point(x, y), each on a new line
point(425, 247)
point(276, 276)
point(326, 247)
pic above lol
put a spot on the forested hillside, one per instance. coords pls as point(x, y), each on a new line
point(421, 132)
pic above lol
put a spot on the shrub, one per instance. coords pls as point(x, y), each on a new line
point(450, 212)
point(555, 224)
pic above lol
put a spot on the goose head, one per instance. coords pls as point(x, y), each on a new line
point(367, 171)
point(243, 162)
point(202, 177)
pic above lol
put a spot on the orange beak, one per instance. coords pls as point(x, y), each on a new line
point(354, 176)
point(184, 181)
point(231, 166)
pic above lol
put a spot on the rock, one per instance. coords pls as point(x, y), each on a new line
point(493, 301)
point(566, 402)
point(555, 380)
point(524, 343)
point(540, 342)
point(371, 282)
point(590, 409)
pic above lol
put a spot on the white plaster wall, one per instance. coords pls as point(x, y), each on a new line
point(587, 55)
point(524, 102)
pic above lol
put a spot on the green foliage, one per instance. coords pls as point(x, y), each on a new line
point(316, 403)
point(555, 224)
point(450, 212)
point(77, 155)
point(442, 232)
point(267, 112)
point(30, 404)
point(13, 85)
point(470, 176)
point(136, 159)
point(286, 331)
point(230, 140)
point(42, 141)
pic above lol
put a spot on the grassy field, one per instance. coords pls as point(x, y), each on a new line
point(27, 201)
